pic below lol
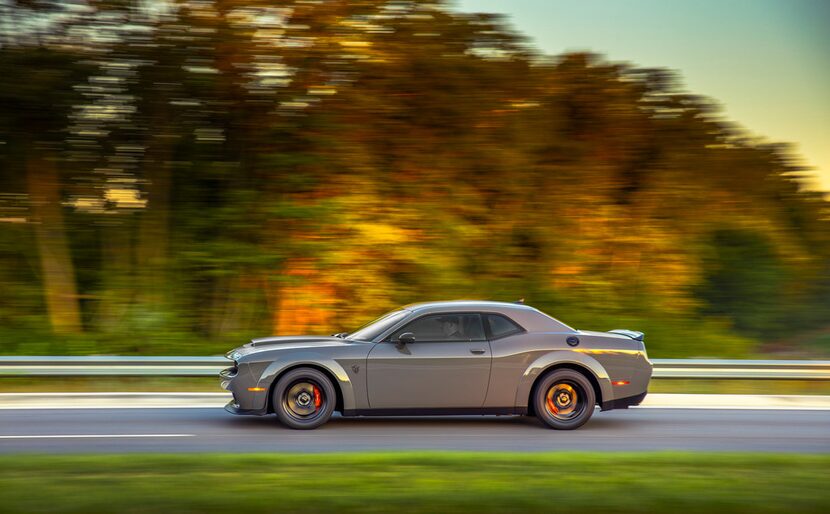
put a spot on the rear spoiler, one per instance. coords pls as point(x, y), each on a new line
point(633, 334)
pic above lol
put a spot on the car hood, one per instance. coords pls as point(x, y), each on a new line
point(297, 340)
point(286, 342)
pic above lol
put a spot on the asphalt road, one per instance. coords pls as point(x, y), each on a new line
point(214, 430)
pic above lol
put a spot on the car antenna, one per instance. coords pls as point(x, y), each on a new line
point(520, 301)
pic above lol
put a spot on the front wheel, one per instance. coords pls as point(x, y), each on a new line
point(564, 399)
point(303, 399)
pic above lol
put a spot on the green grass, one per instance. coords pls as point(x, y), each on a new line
point(417, 482)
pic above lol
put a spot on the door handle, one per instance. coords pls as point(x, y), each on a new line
point(477, 351)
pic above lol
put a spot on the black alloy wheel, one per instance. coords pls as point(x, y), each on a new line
point(564, 399)
point(303, 399)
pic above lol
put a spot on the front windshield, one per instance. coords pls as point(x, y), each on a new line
point(375, 328)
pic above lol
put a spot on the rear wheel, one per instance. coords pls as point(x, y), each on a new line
point(564, 399)
point(303, 398)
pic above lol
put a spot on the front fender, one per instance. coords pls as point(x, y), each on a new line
point(311, 359)
point(546, 361)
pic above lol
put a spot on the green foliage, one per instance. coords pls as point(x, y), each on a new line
point(417, 482)
point(744, 281)
point(233, 171)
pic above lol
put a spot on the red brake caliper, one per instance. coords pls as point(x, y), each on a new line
point(318, 399)
point(552, 405)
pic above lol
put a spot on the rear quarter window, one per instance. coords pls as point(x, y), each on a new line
point(502, 326)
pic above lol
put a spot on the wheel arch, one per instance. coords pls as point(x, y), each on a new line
point(579, 362)
point(338, 405)
point(582, 370)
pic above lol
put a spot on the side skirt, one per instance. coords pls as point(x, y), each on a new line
point(452, 411)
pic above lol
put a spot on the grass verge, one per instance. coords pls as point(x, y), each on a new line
point(417, 482)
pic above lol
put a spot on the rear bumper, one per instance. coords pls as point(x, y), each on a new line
point(624, 403)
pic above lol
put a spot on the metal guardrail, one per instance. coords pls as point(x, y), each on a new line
point(112, 366)
point(741, 369)
point(210, 366)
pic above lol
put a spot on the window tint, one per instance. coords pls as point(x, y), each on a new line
point(371, 330)
point(444, 327)
point(501, 326)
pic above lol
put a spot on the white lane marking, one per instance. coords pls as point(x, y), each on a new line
point(90, 436)
point(212, 406)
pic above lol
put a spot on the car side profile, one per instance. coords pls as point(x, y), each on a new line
point(459, 357)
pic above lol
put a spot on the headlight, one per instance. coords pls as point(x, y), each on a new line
point(233, 355)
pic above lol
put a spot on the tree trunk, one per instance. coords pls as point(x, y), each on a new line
point(56, 265)
point(153, 229)
point(116, 273)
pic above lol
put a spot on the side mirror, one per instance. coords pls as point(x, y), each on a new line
point(406, 338)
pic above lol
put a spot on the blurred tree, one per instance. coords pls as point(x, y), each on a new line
point(743, 281)
point(41, 95)
point(202, 172)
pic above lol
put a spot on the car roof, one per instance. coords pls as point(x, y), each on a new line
point(461, 305)
point(530, 318)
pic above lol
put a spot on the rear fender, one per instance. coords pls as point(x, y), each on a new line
point(546, 361)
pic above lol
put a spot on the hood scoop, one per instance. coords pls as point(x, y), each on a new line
point(270, 341)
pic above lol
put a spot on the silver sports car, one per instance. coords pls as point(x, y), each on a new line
point(463, 357)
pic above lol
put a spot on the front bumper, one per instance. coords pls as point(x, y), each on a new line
point(233, 408)
point(240, 382)
point(226, 376)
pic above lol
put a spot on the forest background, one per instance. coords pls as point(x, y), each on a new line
point(178, 177)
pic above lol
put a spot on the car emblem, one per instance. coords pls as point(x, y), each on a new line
point(355, 368)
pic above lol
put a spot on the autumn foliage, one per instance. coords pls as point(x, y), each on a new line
point(177, 178)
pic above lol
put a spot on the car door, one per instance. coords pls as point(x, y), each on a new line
point(447, 366)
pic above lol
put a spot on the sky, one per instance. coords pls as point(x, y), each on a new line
point(766, 62)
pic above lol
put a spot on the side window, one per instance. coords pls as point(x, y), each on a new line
point(501, 326)
point(444, 327)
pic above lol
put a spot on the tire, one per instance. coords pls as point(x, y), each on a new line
point(303, 399)
point(564, 399)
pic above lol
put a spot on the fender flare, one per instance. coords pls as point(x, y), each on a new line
point(312, 360)
point(544, 362)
